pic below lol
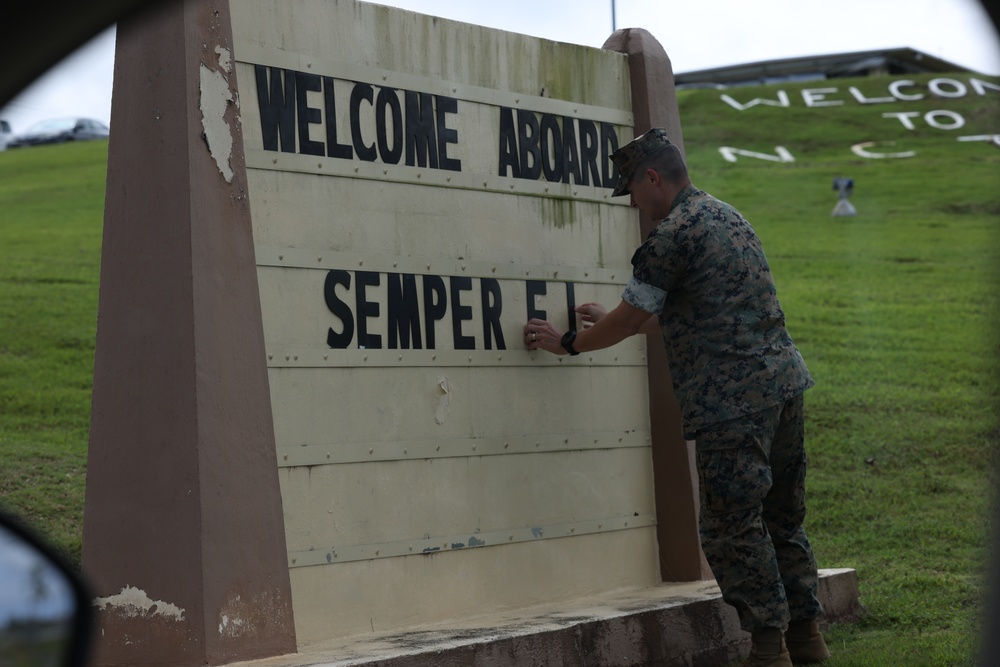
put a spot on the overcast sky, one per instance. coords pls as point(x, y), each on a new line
point(696, 34)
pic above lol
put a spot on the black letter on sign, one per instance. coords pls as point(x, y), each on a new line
point(362, 91)
point(333, 149)
point(571, 161)
point(342, 340)
point(508, 144)
point(609, 144)
point(388, 101)
point(421, 143)
point(552, 161)
point(435, 305)
point(404, 312)
point(589, 147)
point(527, 136)
point(571, 305)
point(446, 136)
point(534, 288)
point(491, 312)
point(307, 115)
point(277, 108)
point(460, 313)
point(366, 309)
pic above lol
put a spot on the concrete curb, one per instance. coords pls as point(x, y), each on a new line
point(664, 626)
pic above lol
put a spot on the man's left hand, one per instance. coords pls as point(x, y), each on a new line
point(540, 335)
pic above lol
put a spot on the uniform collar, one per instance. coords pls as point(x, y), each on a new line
point(683, 196)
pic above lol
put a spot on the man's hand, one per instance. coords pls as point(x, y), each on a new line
point(540, 335)
point(609, 328)
point(591, 312)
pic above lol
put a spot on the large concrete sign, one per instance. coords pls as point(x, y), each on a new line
point(415, 201)
point(321, 413)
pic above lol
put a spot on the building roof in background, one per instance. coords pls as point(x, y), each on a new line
point(858, 63)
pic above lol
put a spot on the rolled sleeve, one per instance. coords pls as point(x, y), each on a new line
point(644, 297)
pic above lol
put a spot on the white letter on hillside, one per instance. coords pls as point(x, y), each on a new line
point(859, 96)
point(814, 97)
point(859, 150)
point(992, 138)
point(957, 120)
point(783, 155)
point(980, 86)
point(903, 116)
point(935, 86)
point(782, 101)
point(896, 85)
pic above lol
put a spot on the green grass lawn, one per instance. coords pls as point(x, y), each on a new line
point(895, 311)
point(51, 219)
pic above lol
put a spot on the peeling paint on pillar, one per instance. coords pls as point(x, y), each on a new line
point(216, 96)
point(132, 602)
point(242, 617)
point(132, 623)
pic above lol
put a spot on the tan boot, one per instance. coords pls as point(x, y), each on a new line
point(768, 650)
point(805, 643)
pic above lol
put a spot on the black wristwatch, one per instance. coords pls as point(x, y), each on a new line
point(567, 342)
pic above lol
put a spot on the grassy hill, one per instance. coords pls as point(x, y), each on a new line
point(895, 311)
point(51, 217)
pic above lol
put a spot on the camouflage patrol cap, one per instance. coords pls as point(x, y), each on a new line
point(634, 153)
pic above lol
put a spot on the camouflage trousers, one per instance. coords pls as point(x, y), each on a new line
point(752, 473)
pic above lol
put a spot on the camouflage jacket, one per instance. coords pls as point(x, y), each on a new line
point(703, 271)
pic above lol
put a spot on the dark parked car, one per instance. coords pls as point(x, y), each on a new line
point(5, 134)
point(59, 131)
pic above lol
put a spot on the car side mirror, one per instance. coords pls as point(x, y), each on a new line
point(45, 612)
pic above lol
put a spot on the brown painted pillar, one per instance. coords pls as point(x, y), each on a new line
point(654, 104)
point(184, 542)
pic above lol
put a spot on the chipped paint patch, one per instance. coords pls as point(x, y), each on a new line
point(225, 60)
point(443, 400)
point(232, 628)
point(132, 602)
point(260, 613)
point(216, 96)
point(234, 618)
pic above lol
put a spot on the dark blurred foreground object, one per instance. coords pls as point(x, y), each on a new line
point(45, 614)
point(49, 31)
point(59, 131)
point(40, 34)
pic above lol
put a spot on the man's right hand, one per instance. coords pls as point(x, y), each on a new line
point(591, 312)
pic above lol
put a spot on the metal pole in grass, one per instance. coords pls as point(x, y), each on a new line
point(844, 187)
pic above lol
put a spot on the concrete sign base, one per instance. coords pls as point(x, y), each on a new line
point(671, 624)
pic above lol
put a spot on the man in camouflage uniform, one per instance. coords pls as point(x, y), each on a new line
point(701, 277)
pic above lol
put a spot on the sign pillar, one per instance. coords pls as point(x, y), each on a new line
point(654, 104)
point(184, 541)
